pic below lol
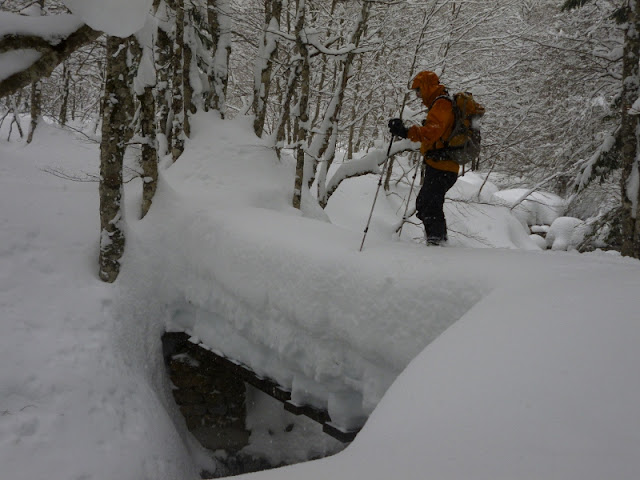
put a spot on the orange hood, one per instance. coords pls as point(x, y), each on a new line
point(429, 85)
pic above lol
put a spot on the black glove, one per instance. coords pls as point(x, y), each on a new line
point(397, 128)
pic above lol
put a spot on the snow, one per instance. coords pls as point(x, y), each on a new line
point(120, 18)
point(70, 405)
point(520, 395)
point(50, 28)
point(146, 75)
point(16, 61)
point(498, 362)
point(537, 208)
point(566, 233)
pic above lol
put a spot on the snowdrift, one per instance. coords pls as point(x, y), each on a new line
point(530, 370)
point(290, 297)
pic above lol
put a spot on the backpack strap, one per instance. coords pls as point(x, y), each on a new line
point(445, 143)
point(445, 96)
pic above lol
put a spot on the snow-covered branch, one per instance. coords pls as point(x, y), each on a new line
point(53, 42)
point(363, 166)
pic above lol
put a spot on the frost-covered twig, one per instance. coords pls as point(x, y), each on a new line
point(524, 196)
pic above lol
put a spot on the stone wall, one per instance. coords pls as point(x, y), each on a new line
point(211, 399)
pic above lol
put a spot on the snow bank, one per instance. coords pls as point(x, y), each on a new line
point(51, 28)
point(535, 375)
point(120, 18)
point(72, 404)
point(513, 392)
point(538, 208)
point(476, 220)
point(566, 233)
point(221, 232)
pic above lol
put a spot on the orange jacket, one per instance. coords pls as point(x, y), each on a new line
point(439, 122)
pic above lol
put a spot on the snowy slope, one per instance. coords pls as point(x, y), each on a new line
point(70, 404)
point(532, 383)
point(534, 377)
point(292, 297)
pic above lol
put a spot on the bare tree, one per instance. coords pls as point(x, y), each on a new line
point(302, 121)
point(325, 142)
point(36, 96)
point(220, 27)
point(264, 63)
point(164, 54)
point(116, 131)
point(178, 81)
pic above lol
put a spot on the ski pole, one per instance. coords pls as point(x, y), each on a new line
point(384, 168)
point(406, 208)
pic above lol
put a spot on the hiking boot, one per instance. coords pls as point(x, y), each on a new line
point(435, 241)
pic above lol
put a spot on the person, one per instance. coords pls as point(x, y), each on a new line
point(441, 173)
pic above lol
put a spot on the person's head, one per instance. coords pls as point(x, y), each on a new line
point(427, 86)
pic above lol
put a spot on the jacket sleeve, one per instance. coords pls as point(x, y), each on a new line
point(438, 125)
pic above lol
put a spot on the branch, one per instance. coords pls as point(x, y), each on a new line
point(29, 42)
point(525, 195)
point(363, 166)
point(52, 56)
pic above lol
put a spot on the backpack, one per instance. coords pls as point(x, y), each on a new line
point(463, 144)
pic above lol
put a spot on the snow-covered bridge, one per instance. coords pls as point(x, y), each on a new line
point(331, 327)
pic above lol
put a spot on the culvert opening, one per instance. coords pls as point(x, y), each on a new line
point(238, 415)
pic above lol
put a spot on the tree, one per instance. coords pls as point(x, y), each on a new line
point(218, 71)
point(264, 63)
point(627, 135)
point(116, 131)
point(36, 94)
point(302, 71)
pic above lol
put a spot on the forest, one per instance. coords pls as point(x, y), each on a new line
point(558, 82)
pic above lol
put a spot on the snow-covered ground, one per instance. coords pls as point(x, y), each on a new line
point(535, 375)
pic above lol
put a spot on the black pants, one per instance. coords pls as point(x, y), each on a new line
point(430, 202)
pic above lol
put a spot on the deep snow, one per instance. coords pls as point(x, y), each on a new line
point(535, 375)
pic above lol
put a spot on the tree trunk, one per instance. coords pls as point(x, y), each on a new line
point(164, 54)
point(116, 130)
point(36, 98)
point(62, 117)
point(177, 106)
point(354, 111)
point(149, 158)
point(324, 146)
point(13, 111)
point(187, 58)
point(302, 120)
point(288, 94)
point(221, 50)
point(36, 109)
point(264, 64)
point(629, 135)
point(138, 59)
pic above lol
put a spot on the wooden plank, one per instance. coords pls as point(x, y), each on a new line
point(345, 436)
point(271, 388)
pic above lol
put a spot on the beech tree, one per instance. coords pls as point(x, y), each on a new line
point(116, 132)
